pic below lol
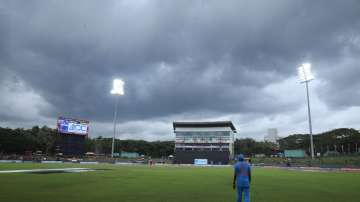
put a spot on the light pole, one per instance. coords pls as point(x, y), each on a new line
point(306, 76)
point(118, 90)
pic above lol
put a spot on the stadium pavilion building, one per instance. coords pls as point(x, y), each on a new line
point(213, 141)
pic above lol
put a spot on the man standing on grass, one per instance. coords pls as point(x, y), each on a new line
point(242, 179)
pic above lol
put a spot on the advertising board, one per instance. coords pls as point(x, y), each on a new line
point(200, 161)
point(72, 126)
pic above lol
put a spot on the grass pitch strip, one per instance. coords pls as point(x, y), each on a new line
point(172, 184)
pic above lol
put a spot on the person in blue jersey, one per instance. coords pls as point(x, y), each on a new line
point(242, 179)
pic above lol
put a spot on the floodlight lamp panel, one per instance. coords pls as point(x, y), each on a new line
point(118, 87)
point(307, 65)
point(305, 73)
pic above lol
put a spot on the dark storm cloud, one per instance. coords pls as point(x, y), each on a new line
point(176, 57)
point(4, 39)
point(341, 89)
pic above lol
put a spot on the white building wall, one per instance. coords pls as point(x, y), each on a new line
point(231, 146)
point(272, 135)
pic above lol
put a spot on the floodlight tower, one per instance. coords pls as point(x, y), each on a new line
point(306, 76)
point(118, 90)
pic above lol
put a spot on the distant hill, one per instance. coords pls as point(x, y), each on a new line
point(342, 140)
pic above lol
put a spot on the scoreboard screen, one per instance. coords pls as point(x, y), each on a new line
point(72, 126)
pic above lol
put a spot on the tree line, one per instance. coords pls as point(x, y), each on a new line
point(157, 149)
point(45, 139)
point(250, 147)
point(19, 140)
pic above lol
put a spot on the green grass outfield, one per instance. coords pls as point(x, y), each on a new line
point(173, 184)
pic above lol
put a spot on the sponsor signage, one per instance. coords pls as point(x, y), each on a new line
point(72, 126)
point(200, 161)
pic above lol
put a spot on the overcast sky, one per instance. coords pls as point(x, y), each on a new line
point(192, 60)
